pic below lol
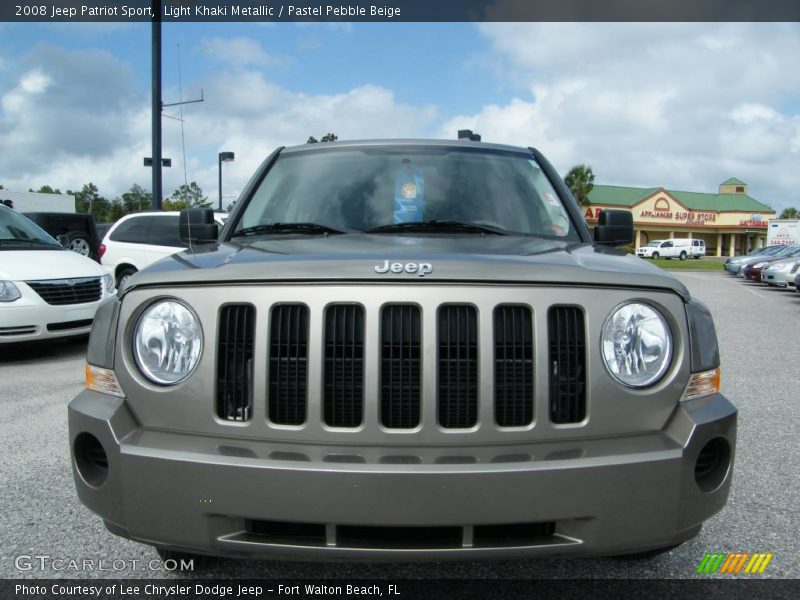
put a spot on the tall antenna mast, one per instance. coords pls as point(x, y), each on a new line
point(183, 133)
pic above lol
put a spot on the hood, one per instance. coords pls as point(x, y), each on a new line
point(354, 257)
point(32, 265)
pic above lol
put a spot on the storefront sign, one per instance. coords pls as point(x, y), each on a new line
point(683, 217)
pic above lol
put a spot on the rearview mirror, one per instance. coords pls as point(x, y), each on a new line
point(614, 228)
point(197, 226)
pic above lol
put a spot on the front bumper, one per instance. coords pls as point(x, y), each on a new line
point(778, 278)
point(232, 497)
point(31, 318)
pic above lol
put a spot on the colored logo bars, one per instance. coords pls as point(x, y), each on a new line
point(734, 562)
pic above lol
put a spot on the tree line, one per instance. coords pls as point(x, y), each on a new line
point(104, 210)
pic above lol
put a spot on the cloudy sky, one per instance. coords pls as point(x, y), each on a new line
point(684, 106)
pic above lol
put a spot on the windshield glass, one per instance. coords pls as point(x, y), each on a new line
point(361, 189)
point(655, 244)
point(787, 251)
point(16, 228)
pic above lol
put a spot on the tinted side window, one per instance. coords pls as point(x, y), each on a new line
point(165, 231)
point(134, 230)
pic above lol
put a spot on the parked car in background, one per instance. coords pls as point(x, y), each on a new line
point(46, 291)
point(681, 248)
point(139, 240)
point(752, 271)
point(698, 248)
point(775, 252)
point(734, 263)
point(78, 227)
point(781, 273)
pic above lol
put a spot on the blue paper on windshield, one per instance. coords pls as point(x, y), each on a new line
point(409, 195)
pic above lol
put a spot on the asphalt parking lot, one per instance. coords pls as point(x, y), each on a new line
point(759, 334)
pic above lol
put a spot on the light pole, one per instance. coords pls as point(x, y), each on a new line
point(223, 157)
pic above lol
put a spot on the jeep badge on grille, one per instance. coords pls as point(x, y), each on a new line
point(421, 269)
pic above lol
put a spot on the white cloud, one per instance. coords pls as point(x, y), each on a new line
point(72, 118)
point(240, 52)
point(680, 105)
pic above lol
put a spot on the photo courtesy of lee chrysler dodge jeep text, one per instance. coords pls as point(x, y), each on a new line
point(403, 350)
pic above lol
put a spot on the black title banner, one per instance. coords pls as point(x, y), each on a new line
point(399, 10)
point(410, 589)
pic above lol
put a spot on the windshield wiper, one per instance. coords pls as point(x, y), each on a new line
point(309, 228)
point(434, 226)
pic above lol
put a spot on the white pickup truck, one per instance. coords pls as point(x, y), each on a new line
point(681, 248)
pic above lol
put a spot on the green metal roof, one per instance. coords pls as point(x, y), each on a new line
point(615, 195)
point(733, 181)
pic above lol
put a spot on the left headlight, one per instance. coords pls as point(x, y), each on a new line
point(168, 342)
point(9, 292)
point(636, 344)
point(108, 284)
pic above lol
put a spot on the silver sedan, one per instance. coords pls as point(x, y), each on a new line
point(781, 273)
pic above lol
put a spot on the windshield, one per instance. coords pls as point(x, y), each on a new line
point(16, 229)
point(787, 251)
point(655, 244)
point(355, 190)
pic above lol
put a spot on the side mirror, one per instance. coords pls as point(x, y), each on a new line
point(197, 226)
point(63, 240)
point(614, 228)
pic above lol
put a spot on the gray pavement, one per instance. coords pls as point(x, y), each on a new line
point(759, 334)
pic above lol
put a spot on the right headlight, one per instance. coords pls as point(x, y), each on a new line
point(9, 292)
point(167, 342)
point(636, 344)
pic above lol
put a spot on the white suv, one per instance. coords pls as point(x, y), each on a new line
point(140, 239)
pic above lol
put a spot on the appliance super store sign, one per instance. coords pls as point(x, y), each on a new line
point(684, 217)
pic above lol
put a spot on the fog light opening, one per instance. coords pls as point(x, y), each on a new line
point(91, 459)
point(712, 464)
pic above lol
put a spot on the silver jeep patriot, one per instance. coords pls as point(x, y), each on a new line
point(403, 350)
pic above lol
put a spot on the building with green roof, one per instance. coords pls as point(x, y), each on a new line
point(730, 221)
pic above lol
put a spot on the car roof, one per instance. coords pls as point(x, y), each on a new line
point(405, 142)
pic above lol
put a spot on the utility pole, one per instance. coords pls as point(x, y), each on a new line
point(156, 106)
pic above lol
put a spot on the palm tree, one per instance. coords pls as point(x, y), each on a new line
point(789, 213)
point(580, 180)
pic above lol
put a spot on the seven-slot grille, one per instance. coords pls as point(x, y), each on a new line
point(344, 365)
point(513, 366)
point(401, 355)
point(288, 364)
point(400, 378)
point(68, 291)
point(567, 340)
point(235, 362)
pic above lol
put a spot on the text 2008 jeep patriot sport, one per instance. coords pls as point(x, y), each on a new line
point(404, 350)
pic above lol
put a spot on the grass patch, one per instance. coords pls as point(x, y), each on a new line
point(690, 264)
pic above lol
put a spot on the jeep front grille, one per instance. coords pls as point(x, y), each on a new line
point(481, 365)
point(401, 355)
point(513, 366)
point(567, 340)
point(458, 366)
point(235, 362)
point(344, 365)
point(288, 364)
point(68, 291)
